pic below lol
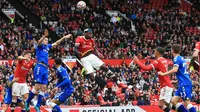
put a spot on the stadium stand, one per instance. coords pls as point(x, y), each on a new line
point(157, 23)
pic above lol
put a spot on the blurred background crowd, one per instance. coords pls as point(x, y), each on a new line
point(156, 23)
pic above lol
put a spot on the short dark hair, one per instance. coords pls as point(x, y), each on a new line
point(58, 61)
point(161, 50)
point(176, 48)
point(26, 52)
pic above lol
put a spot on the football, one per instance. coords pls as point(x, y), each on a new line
point(81, 5)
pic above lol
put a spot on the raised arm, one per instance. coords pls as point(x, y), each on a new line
point(195, 54)
point(60, 40)
point(46, 34)
point(22, 58)
point(194, 57)
point(143, 66)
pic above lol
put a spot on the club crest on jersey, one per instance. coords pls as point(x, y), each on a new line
point(23, 68)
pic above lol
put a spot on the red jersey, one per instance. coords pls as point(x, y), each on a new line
point(197, 48)
point(22, 69)
point(161, 64)
point(85, 45)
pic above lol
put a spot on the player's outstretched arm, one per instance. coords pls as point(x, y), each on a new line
point(98, 53)
point(22, 58)
point(46, 34)
point(62, 39)
point(172, 71)
point(143, 66)
point(194, 57)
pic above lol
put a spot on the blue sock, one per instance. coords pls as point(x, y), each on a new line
point(180, 107)
point(23, 110)
point(40, 97)
point(56, 108)
point(30, 97)
point(191, 108)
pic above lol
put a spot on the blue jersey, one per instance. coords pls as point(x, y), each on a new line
point(42, 53)
point(182, 74)
point(9, 89)
point(8, 94)
point(64, 80)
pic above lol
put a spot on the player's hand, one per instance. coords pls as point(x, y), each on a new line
point(15, 79)
point(135, 58)
point(160, 73)
point(28, 59)
point(100, 55)
point(67, 36)
point(46, 33)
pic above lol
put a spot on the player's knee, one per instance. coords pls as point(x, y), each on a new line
point(174, 102)
point(35, 91)
point(187, 102)
point(161, 103)
point(37, 87)
point(43, 89)
point(25, 96)
point(52, 104)
point(104, 67)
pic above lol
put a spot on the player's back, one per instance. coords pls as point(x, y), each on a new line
point(182, 74)
point(163, 67)
point(62, 74)
point(42, 53)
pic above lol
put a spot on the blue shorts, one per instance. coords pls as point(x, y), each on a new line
point(63, 95)
point(185, 92)
point(8, 98)
point(41, 74)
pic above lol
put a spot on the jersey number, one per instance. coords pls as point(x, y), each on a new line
point(185, 66)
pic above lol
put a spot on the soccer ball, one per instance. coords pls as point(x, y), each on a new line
point(81, 5)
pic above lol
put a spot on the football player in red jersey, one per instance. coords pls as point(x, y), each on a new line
point(195, 56)
point(160, 64)
point(20, 88)
point(85, 49)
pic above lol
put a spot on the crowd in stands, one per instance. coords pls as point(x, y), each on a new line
point(163, 27)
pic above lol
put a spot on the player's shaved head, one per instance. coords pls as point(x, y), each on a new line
point(58, 61)
point(161, 50)
point(176, 48)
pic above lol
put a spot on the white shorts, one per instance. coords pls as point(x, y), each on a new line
point(90, 62)
point(19, 89)
point(166, 94)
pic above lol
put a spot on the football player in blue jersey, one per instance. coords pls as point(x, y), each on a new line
point(63, 85)
point(8, 95)
point(184, 90)
point(41, 69)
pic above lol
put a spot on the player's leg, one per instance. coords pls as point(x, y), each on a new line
point(187, 97)
point(89, 70)
point(15, 92)
point(99, 64)
point(41, 95)
point(37, 78)
point(5, 107)
point(7, 101)
point(44, 82)
point(165, 98)
point(59, 98)
point(175, 101)
point(54, 104)
point(21, 104)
